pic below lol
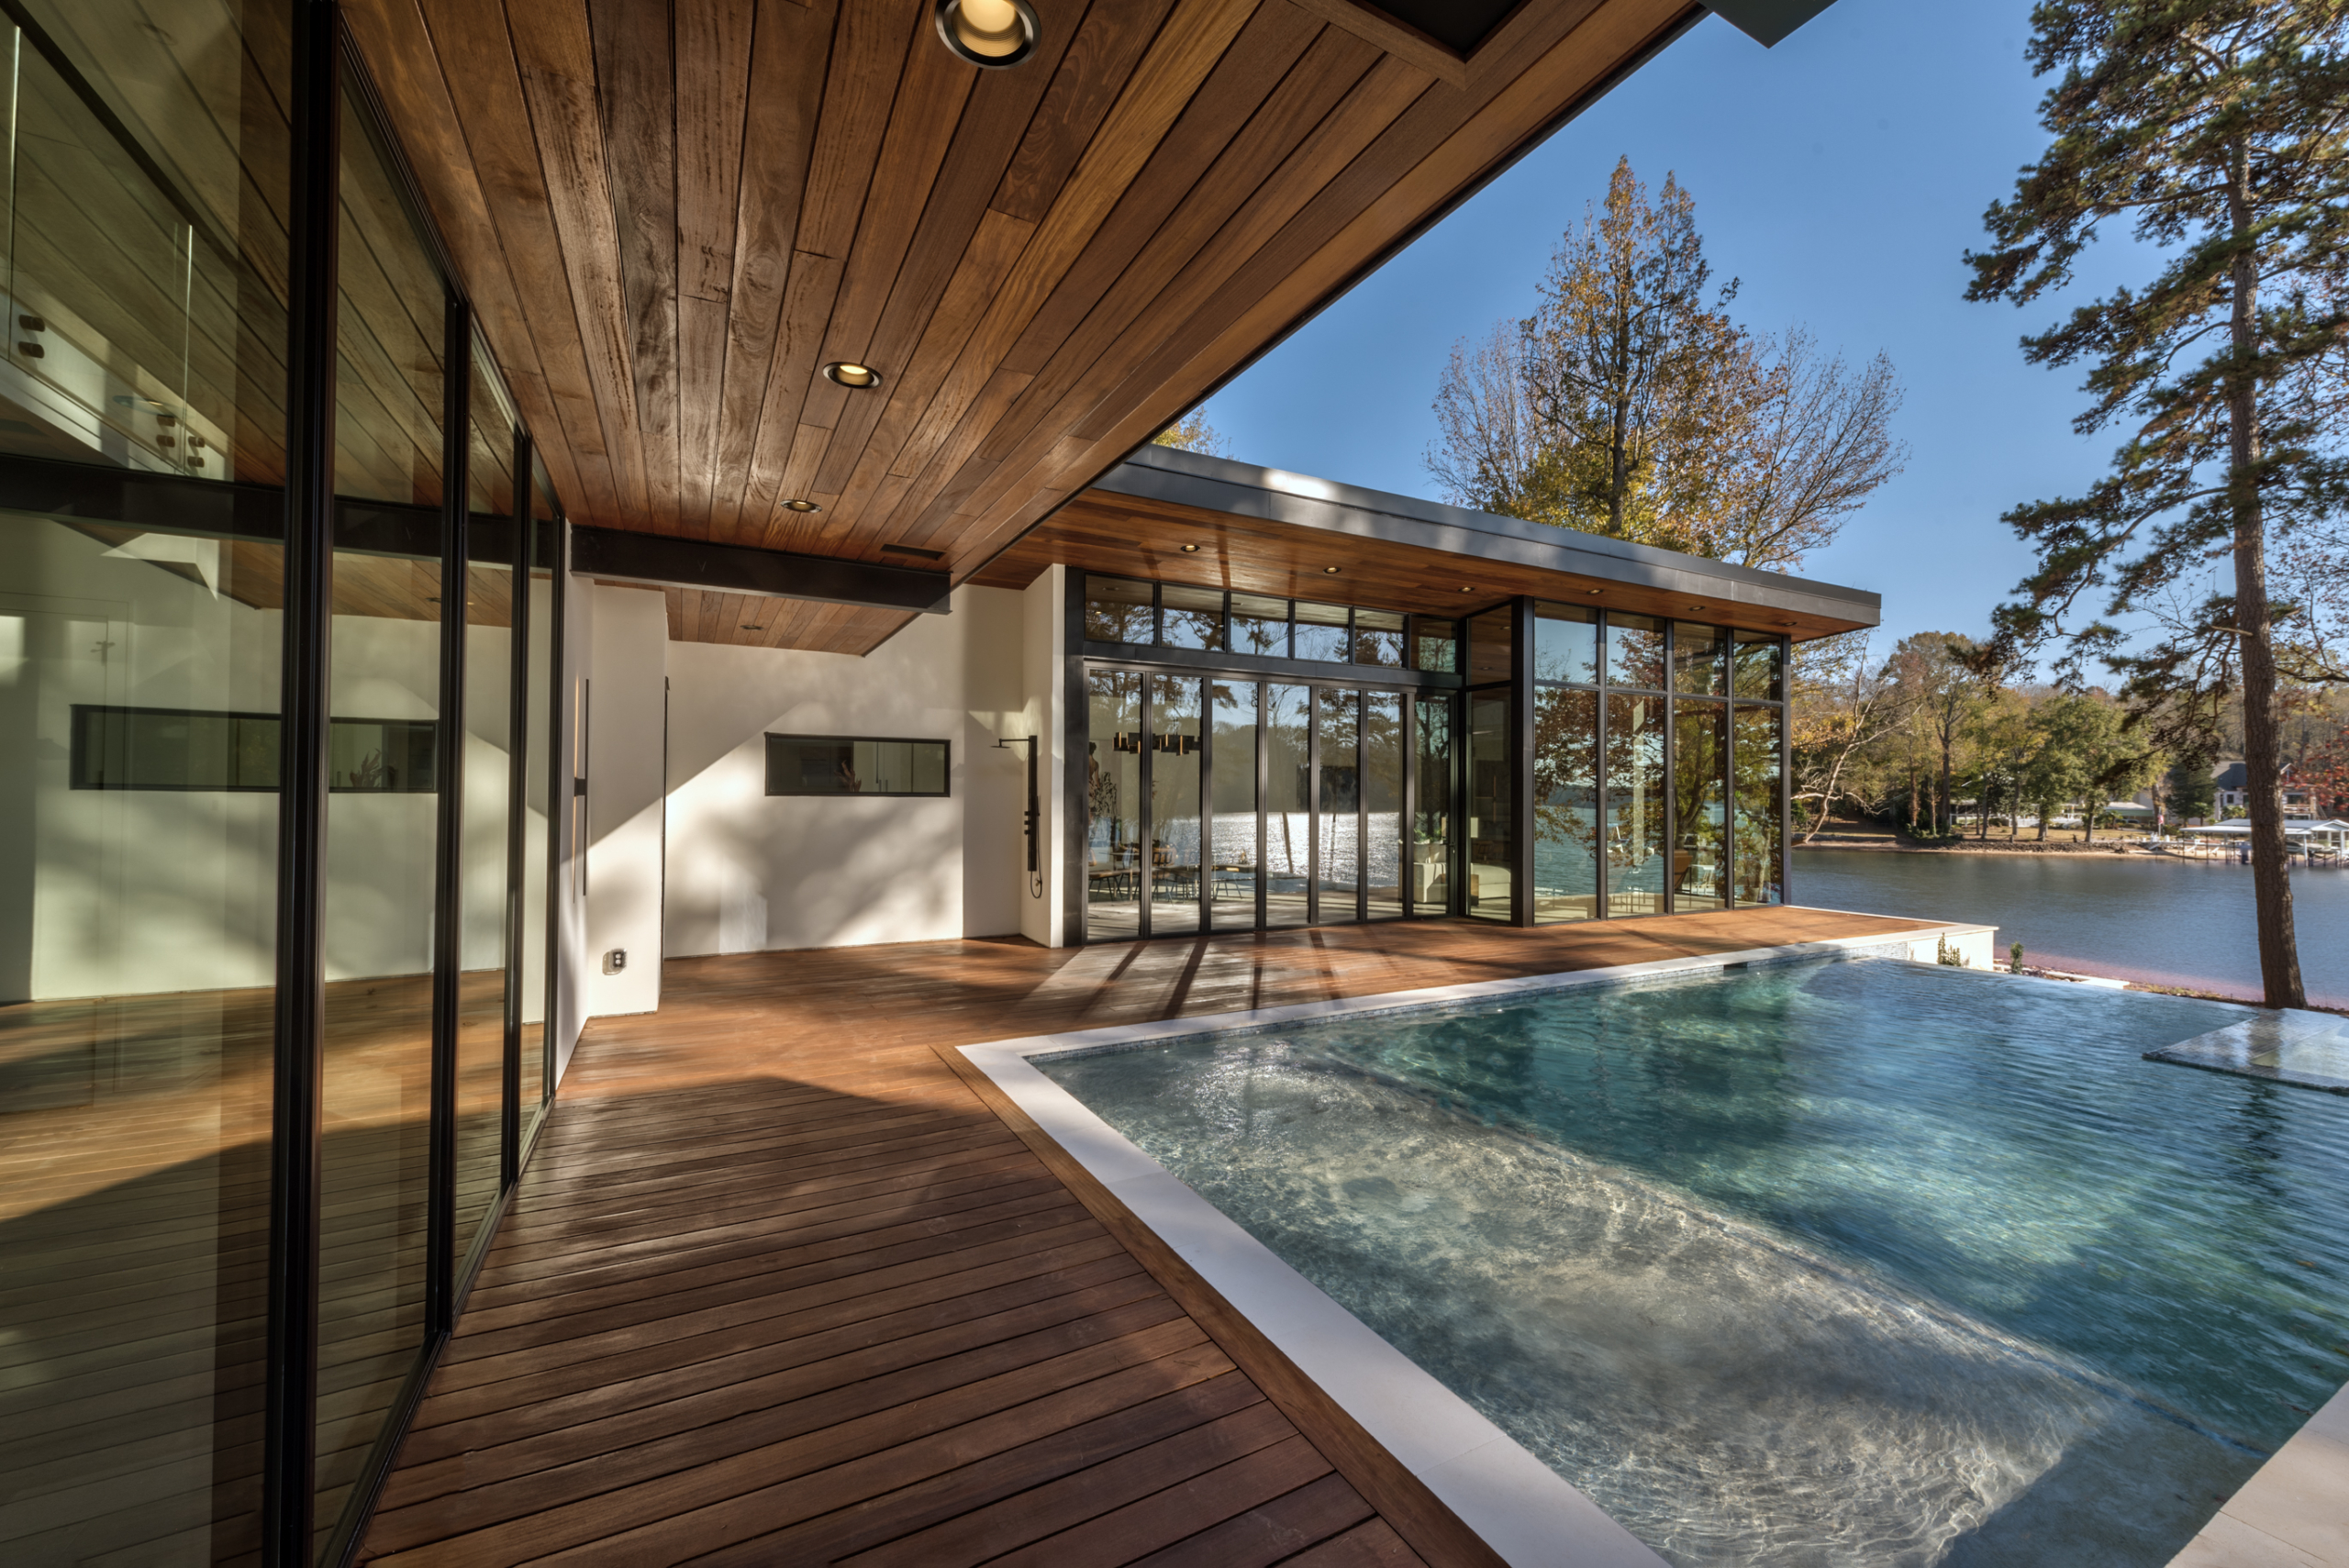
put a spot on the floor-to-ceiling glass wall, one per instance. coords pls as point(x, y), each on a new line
point(1383, 826)
point(1177, 849)
point(1758, 841)
point(142, 369)
point(1336, 814)
point(384, 765)
point(1699, 767)
point(1235, 877)
point(1435, 797)
point(145, 430)
point(1113, 857)
point(1568, 840)
point(1288, 803)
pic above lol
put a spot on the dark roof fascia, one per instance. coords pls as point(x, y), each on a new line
point(1221, 484)
point(670, 563)
point(1766, 21)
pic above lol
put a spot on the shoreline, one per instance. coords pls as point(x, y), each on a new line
point(1997, 847)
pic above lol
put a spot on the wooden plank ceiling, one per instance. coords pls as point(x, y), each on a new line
point(1133, 536)
point(671, 213)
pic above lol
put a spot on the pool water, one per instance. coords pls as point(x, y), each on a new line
point(1844, 1263)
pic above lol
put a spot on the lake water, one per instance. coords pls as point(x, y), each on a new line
point(2135, 917)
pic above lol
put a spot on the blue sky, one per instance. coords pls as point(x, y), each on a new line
point(1841, 176)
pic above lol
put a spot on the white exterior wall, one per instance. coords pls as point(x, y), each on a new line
point(752, 872)
point(628, 640)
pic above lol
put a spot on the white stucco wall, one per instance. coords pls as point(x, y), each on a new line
point(630, 642)
point(750, 873)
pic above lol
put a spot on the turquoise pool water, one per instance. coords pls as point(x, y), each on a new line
point(1849, 1263)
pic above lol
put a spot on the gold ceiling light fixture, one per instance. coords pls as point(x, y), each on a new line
point(801, 504)
point(994, 35)
point(854, 376)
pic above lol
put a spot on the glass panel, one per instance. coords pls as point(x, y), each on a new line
point(1760, 847)
point(1698, 654)
point(1634, 753)
point(146, 328)
point(377, 913)
point(539, 793)
point(1192, 618)
point(1113, 800)
point(1565, 804)
point(845, 765)
point(1634, 651)
point(486, 802)
point(1435, 645)
point(1338, 845)
point(1490, 638)
point(1117, 611)
point(1260, 625)
point(1761, 666)
point(1322, 632)
point(1699, 763)
point(137, 965)
point(1174, 858)
point(1235, 868)
point(1492, 856)
point(1378, 638)
point(1288, 822)
point(1566, 644)
point(1382, 799)
point(1432, 843)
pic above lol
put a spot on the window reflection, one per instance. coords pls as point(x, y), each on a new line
point(1565, 804)
point(1492, 795)
point(1635, 804)
point(1699, 766)
point(1635, 652)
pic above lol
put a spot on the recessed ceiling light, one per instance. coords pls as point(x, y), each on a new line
point(1190, 550)
point(846, 372)
point(991, 34)
point(1695, 608)
point(1592, 591)
point(748, 626)
point(801, 503)
point(1467, 590)
point(1331, 571)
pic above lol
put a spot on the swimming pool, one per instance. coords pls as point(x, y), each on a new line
point(1854, 1262)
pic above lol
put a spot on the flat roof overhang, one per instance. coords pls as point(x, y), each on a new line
point(1265, 531)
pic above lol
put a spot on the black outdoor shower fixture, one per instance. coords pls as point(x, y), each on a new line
point(1035, 874)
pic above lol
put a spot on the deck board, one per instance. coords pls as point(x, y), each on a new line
point(780, 1287)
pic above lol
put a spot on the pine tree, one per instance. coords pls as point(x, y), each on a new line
point(2217, 130)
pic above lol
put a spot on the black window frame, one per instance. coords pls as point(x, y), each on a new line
point(945, 772)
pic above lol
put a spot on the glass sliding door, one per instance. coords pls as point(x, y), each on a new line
point(1756, 852)
point(1288, 805)
point(139, 664)
point(1113, 789)
point(1336, 814)
point(1634, 825)
point(485, 786)
point(1701, 785)
point(1177, 854)
point(1382, 802)
point(1565, 804)
point(383, 765)
point(1235, 874)
point(539, 796)
point(1492, 796)
point(1432, 838)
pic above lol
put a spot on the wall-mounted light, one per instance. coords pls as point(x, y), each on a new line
point(801, 503)
point(993, 34)
point(848, 374)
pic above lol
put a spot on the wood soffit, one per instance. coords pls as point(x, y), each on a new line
point(1132, 536)
point(670, 217)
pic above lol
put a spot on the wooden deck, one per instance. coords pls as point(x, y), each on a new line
point(779, 1288)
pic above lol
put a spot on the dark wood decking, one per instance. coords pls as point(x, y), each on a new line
point(780, 1287)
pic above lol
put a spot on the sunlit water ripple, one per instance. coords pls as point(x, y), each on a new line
point(1859, 1263)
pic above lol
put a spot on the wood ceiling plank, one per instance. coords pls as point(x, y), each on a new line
point(1001, 112)
point(1092, 75)
point(636, 88)
point(1180, 59)
point(870, 46)
point(674, 598)
point(1195, 163)
point(552, 45)
point(1400, 40)
point(1384, 92)
point(791, 58)
point(484, 84)
point(395, 39)
point(714, 48)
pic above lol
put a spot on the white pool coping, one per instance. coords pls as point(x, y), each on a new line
point(1524, 1510)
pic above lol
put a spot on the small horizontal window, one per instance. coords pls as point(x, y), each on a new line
point(196, 749)
point(847, 764)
